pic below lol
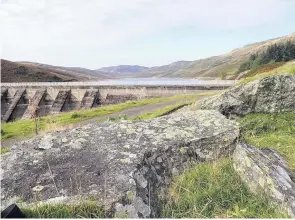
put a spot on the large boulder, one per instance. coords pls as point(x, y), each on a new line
point(125, 166)
point(268, 95)
point(265, 171)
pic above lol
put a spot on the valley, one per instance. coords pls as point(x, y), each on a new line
point(210, 138)
point(216, 67)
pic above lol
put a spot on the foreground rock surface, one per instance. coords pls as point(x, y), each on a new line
point(125, 166)
point(266, 171)
point(268, 95)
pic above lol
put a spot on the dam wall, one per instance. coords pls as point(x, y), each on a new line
point(28, 100)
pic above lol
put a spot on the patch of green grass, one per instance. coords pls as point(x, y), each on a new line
point(4, 150)
point(289, 67)
point(24, 128)
point(214, 190)
point(275, 131)
point(160, 112)
point(120, 117)
point(84, 210)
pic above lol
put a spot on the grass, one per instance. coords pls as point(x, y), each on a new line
point(207, 190)
point(120, 117)
point(289, 67)
point(264, 68)
point(84, 210)
point(153, 114)
point(214, 190)
point(26, 128)
point(161, 111)
point(4, 150)
point(275, 131)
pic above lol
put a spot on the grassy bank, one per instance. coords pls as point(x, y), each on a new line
point(214, 190)
point(275, 131)
point(289, 67)
point(27, 128)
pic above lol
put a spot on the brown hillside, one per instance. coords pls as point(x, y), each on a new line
point(15, 72)
point(216, 66)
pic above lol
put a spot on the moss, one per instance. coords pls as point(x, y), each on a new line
point(182, 150)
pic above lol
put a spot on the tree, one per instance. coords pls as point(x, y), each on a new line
point(274, 53)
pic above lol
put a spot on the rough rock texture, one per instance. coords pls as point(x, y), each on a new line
point(266, 171)
point(126, 166)
point(271, 94)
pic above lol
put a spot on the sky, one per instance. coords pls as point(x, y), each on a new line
point(98, 33)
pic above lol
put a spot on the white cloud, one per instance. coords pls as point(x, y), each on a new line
point(33, 25)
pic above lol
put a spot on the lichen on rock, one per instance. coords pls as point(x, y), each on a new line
point(265, 171)
point(126, 173)
point(268, 95)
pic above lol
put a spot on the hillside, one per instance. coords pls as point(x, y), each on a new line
point(36, 72)
point(216, 66)
point(17, 72)
point(79, 73)
point(212, 67)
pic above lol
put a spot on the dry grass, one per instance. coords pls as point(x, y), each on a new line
point(289, 67)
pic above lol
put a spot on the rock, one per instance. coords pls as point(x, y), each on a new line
point(268, 95)
point(124, 173)
point(266, 171)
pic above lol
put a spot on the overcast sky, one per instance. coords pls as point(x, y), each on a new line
point(97, 33)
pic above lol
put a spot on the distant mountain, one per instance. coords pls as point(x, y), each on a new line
point(123, 70)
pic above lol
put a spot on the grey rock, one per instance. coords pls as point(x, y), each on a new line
point(268, 95)
point(124, 173)
point(265, 171)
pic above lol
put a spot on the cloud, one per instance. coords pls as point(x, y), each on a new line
point(99, 24)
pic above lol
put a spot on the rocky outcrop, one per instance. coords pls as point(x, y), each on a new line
point(265, 171)
point(268, 95)
point(125, 166)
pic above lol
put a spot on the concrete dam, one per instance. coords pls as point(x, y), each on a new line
point(27, 100)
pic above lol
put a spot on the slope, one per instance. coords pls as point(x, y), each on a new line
point(17, 72)
point(216, 66)
point(81, 74)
